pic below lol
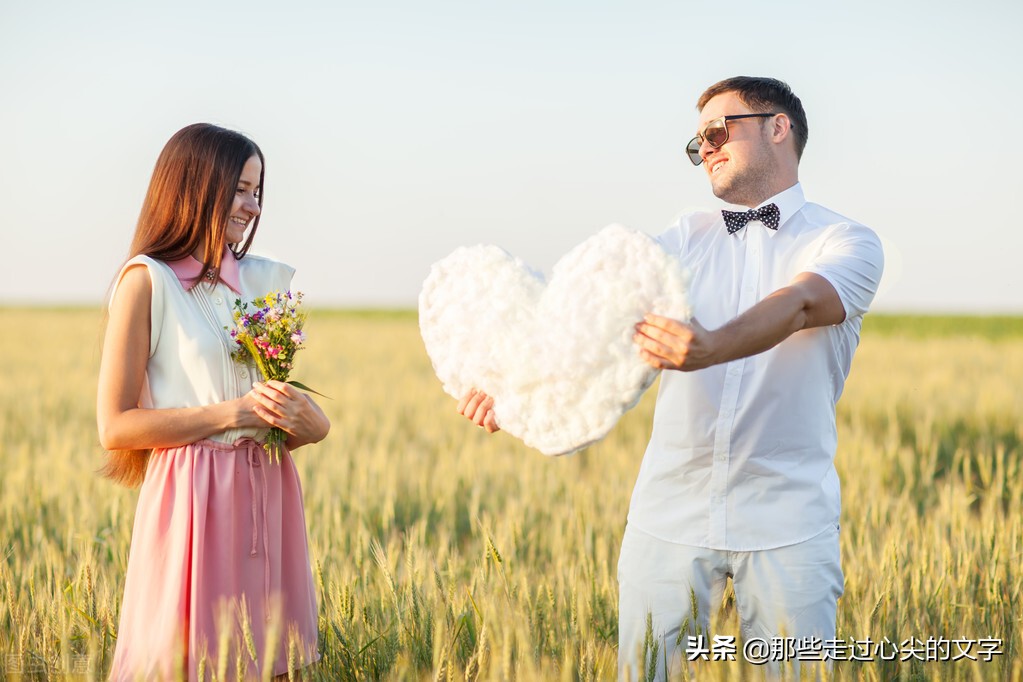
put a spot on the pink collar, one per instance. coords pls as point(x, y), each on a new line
point(187, 270)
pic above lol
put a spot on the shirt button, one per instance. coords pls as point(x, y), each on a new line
point(244, 374)
point(219, 300)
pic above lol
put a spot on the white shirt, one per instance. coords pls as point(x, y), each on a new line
point(190, 344)
point(741, 456)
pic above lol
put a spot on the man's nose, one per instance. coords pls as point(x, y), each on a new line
point(706, 149)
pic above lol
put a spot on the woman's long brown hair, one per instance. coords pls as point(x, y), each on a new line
point(186, 209)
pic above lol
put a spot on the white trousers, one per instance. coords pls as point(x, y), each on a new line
point(783, 592)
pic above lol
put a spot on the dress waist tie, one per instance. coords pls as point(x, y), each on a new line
point(252, 452)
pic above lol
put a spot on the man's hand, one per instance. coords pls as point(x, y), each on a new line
point(665, 343)
point(478, 407)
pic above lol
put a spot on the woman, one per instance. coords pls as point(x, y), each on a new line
point(219, 565)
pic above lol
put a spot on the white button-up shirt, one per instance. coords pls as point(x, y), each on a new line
point(741, 456)
point(190, 345)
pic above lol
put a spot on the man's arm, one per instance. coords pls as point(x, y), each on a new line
point(808, 301)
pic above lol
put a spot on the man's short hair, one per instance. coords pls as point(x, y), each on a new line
point(762, 95)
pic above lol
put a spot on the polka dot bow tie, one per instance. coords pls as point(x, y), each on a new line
point(736, 220)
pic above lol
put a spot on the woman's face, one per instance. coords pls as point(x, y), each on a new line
point(246, 201)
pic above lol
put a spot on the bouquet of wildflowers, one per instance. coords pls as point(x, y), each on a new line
point(270, 333)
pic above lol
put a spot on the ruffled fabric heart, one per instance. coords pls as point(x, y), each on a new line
point(557, 355)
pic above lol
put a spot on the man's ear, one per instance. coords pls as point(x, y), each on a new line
point(782, 127)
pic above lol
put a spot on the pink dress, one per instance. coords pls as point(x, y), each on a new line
point(218, 578)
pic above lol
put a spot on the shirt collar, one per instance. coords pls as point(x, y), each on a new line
point(788, 201)
point(187, 270)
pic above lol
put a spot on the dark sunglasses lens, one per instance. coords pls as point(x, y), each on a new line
point(716, 134)
point(693, 150)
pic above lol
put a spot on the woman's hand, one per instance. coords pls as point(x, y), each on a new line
point(282, 405)
point(478, 407)
point(242, 413)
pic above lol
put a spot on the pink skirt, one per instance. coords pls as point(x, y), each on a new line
point(218, 574)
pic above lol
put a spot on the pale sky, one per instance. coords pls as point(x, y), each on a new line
point(397, 131)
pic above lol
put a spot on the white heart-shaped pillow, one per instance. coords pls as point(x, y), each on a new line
point(557, 357)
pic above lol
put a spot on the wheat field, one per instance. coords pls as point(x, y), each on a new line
point(442, 553)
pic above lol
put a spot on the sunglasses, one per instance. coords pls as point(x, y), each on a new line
point(716, 134)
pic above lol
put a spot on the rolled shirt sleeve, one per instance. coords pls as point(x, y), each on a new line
point(852, 260)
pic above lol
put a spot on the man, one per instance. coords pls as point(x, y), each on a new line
point(738, 479)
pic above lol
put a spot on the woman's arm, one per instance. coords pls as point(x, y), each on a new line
point(123, 425)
